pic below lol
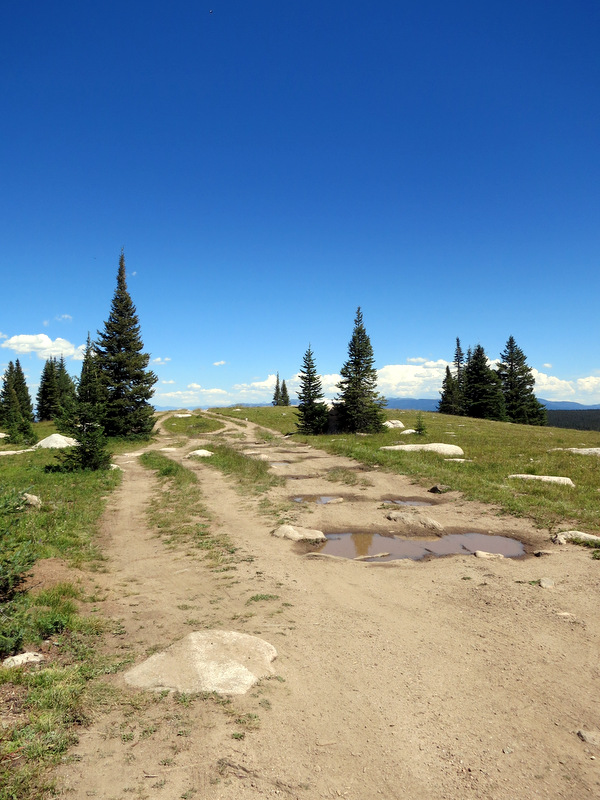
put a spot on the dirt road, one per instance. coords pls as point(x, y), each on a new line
point(448, 678)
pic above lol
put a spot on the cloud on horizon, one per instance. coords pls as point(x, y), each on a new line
point(43, 346)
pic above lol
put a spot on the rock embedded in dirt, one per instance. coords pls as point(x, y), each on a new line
point(544, 478)
point(590, 737)
point(414, 518)
point(434, 447)
point(440, 488)
point(541, 553)
point(200, 453)
point(546, 583)
point(297, 534)
point(21, 659)
point(488, 556)
point(574, 536)
point(57, 441)
point(225, 662)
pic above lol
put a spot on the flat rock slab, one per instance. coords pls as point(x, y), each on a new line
point(584, 451)
point(574, 536)
point(545, 479)
point(200, 453)
point(225, 662)
point(434, 447)
point(297, 534)
point(414, 518)
point(21, 659)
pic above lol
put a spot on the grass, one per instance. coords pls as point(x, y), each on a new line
point(278, 418)
point(52, 699)
point(252, 476)
point(178, 513)
point(193, 426)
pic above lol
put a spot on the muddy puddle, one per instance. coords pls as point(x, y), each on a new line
point(320, 499)
point(365, 545)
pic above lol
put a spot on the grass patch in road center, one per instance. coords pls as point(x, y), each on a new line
point(193, 426)
point(278, 418)
point(252, 475)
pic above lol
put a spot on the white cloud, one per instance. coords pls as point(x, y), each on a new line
point(167, 381)
point(160, 360)
point(64, 318)
point(547, 386)
point(589, 385)
point(218, 363)
point(194, 386)
point(412, 380)
point(416, 360)
point(3, 336)
point(43, 346)
point(194, 396)
point(548, 366)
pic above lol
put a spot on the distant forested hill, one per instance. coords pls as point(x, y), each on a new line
point(582, 420)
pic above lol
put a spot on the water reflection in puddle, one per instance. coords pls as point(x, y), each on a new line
point(410, 502)
point(320, 499)
point(355, 545)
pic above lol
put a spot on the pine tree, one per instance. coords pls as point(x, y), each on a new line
point(85, 420)
point(18, 428)
point(284, 398)
point(312, 411)
point(451, 400)
point(8, 383)
point(483, 391)
point(459, 366)
point(277, 393)
point(22, 391)
point(48, 399)
point(123, 368)
point(517, 381)
point(359, 404)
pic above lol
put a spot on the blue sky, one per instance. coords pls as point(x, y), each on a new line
point(270, 166)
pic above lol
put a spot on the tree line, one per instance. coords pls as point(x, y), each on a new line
point(474, 389)
point(110, 398)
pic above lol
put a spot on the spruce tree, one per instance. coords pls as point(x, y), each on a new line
point(22, 391)
point(122, 365)
point(18, 428)
point(48, 399)
point(277, 393)
point(451, 401)
point(459, 367)
point(284, 398)
point(312, 411)
point(483, 390)
point(517, 381)
point(6, 400)
point(359, 404)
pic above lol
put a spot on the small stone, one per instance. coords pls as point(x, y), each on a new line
point(22, 658)
point(541, 553)
point(297, 534)
point(590, 737)
point(546, 583)
point(200, 454)
point(488, 556)
point(507, 750)
point(32, 500)
point(439, 488)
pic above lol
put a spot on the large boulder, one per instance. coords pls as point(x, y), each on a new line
point(434, 447)
point(544, 478)
point(57, 441)
point(393, 423)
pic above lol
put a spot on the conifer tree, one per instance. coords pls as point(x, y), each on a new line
point(277, 393)
point(122, 365)
point(517, 381)
point(8, 383)
point(483, 391)
point(48, 399)
point(451, 400)
point(359, 404)
point(312, 411)
point(459, 367)
point(18, 428)
point(284, 397)
point(22, 391)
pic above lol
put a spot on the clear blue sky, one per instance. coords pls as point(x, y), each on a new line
point(269, 166)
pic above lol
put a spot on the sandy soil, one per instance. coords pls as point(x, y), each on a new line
point(449, 678)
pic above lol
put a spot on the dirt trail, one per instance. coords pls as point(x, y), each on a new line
point(447, 678)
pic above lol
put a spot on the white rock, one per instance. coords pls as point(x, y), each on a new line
point(546, 583)
point(22, 658)
point(225, 662)
point(583, 451)
point(200, 453)
point(407, 431)
point(3, 435)
point(435, 447)
point(489, 556)
point(569, 536)
point(545, 479)
point(57, 441)
point(32, 500)
point(393, 423)
point(460, 460)
point(181, 416)
point(414, 518)
point(297, 534)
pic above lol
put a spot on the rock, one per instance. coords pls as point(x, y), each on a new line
point(16, 452)
point(367, 558)
point(574, 536)
point(393, 423)
point(440, 488)
point(546, 583)
point(591, 737)
point(488, 556)
point(584, 451)
point(460, 460)
point(541, 553)
point(225, 662)
point(326, 556)
point(407, 431)
point(21, 659)
point(297, 534)
point(57, 441)
point(434, 447)
point(545, 478)
point(200, 453)
point(181, 416)
point(116, 466)
point(414, 518)
point(32, 500)
point(3, 435)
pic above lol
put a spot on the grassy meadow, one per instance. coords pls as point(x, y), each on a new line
point(494, 449)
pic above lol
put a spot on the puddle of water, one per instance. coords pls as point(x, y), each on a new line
point(311, 498)
point(353, 545)
point(410, 502)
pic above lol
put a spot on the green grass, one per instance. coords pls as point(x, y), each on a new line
point(252, 476)
point(178, 513)
point(277, 418)
point(193, 426)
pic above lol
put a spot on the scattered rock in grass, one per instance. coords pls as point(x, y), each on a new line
point(297, 534)
point(3, 435)
point(200, 453)
point(181, 416)
point(393, 423)
point(32, 500)
point(21, 659)
point(545, 479)
point(116, 466)
point(440, 488)
point(590, 737)
point(488, 556)
point(460, 460)
point(574, 536)
point(583, 451)
point(57, 441)
point(434, 447)
point(546, 583)
point(225, 662)
point(16, 452)
point(407, 431)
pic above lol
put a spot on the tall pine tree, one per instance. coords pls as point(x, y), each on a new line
point(48, 397)
point(483, 391)
point(451, 401)
point(22, 392)
point(122, 365)
point(517, 387)
point(277, 393)
point(312, 411)
point(284, 397)
point(359, 404)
